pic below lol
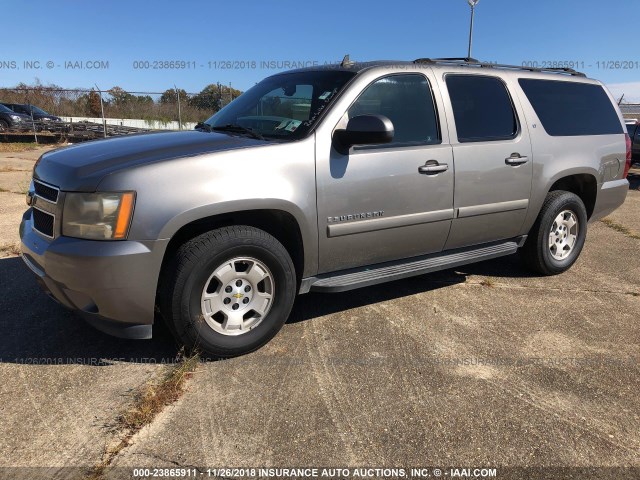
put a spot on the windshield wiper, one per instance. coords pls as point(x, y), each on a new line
point(232, 127)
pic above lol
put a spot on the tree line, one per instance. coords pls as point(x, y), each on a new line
point(119, 103)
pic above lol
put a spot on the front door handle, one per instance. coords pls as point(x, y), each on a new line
point(516, 159)
point(432, 167)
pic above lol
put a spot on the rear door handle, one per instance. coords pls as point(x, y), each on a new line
point(516, 159)
point(432, 167)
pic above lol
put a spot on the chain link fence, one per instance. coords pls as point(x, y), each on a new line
point(46, 113)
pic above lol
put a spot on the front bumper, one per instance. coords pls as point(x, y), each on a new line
point(111, 283)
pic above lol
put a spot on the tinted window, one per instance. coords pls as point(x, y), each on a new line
point(570, 109)
point(631, 129)
point(482, 108)
point(407, 101)
point(20, 109)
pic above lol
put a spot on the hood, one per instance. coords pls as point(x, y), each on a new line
point(15, 114)
point(81, 167)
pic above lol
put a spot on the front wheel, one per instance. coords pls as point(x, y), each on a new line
point(556, 239)
point(229, 291)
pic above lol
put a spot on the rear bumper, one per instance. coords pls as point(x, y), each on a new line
point(610, 196)
point(112, 284)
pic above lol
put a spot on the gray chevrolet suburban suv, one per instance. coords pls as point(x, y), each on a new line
point(324, 179)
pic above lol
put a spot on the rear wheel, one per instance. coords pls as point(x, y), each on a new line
point(556, 239)
point(229, 291)
point(4, 126)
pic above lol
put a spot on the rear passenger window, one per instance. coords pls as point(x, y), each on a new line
point(407, 101)
point(482, 108)
point(572, 109)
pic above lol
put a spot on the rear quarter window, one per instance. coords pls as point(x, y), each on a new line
point(569, 109)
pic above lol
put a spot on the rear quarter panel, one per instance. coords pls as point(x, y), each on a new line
point(602, 156)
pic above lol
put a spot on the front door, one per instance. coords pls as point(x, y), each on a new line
point(379, 203)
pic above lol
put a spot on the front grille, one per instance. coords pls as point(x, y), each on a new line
point(45, 191)
point(43, 222)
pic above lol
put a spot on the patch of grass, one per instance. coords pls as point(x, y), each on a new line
point(10, 249)
point(18, 147)
point(620, 228)
point(488, 282)
point(147, 404)
point(23, 187)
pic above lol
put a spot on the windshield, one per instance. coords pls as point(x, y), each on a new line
point(37, 110)
point(283, 106)
point(4, 109)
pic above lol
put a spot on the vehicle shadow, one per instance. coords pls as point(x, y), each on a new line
point(36, 330)
point(312, 305)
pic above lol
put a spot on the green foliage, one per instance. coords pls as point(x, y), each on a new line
point(170, 96)
point(213, 97)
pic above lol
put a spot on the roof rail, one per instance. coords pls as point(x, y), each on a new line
point(472, 62)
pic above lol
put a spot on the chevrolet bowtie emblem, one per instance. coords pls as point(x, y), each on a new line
point(238, 295)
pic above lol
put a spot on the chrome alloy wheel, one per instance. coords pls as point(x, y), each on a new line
point(237, 296)
point(563, 234)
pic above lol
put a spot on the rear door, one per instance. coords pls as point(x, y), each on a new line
point(493, 159)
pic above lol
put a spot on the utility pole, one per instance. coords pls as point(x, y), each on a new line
point(472, 4)
point(104, 122)
point(179, 111)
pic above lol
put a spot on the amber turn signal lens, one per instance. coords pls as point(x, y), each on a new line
point(124, 216)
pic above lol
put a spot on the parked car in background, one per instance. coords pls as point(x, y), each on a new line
point(10, 120)
point(633, 127)
point(324, 179)
point(38, 114)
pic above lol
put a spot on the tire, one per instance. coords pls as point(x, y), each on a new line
point(4, 126)
point(241, 265)
point(551, 253)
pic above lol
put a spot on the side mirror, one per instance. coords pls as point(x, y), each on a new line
point(365, 130)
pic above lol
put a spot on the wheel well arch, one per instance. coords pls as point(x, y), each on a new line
point(278, 223)
point(584, 185)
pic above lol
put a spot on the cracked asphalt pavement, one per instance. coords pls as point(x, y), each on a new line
point(486, 365)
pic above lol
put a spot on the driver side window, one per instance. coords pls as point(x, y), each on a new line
point(407, 101)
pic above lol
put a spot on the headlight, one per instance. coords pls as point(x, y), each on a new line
point(97, 216)
point(16, 118)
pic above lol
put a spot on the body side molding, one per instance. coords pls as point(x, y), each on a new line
point(371, 225)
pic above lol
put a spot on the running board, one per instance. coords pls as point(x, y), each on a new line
point(389, 271)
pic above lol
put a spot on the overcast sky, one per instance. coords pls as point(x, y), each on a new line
point(205, 36)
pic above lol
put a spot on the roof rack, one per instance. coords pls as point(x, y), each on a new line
point(472, 62)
